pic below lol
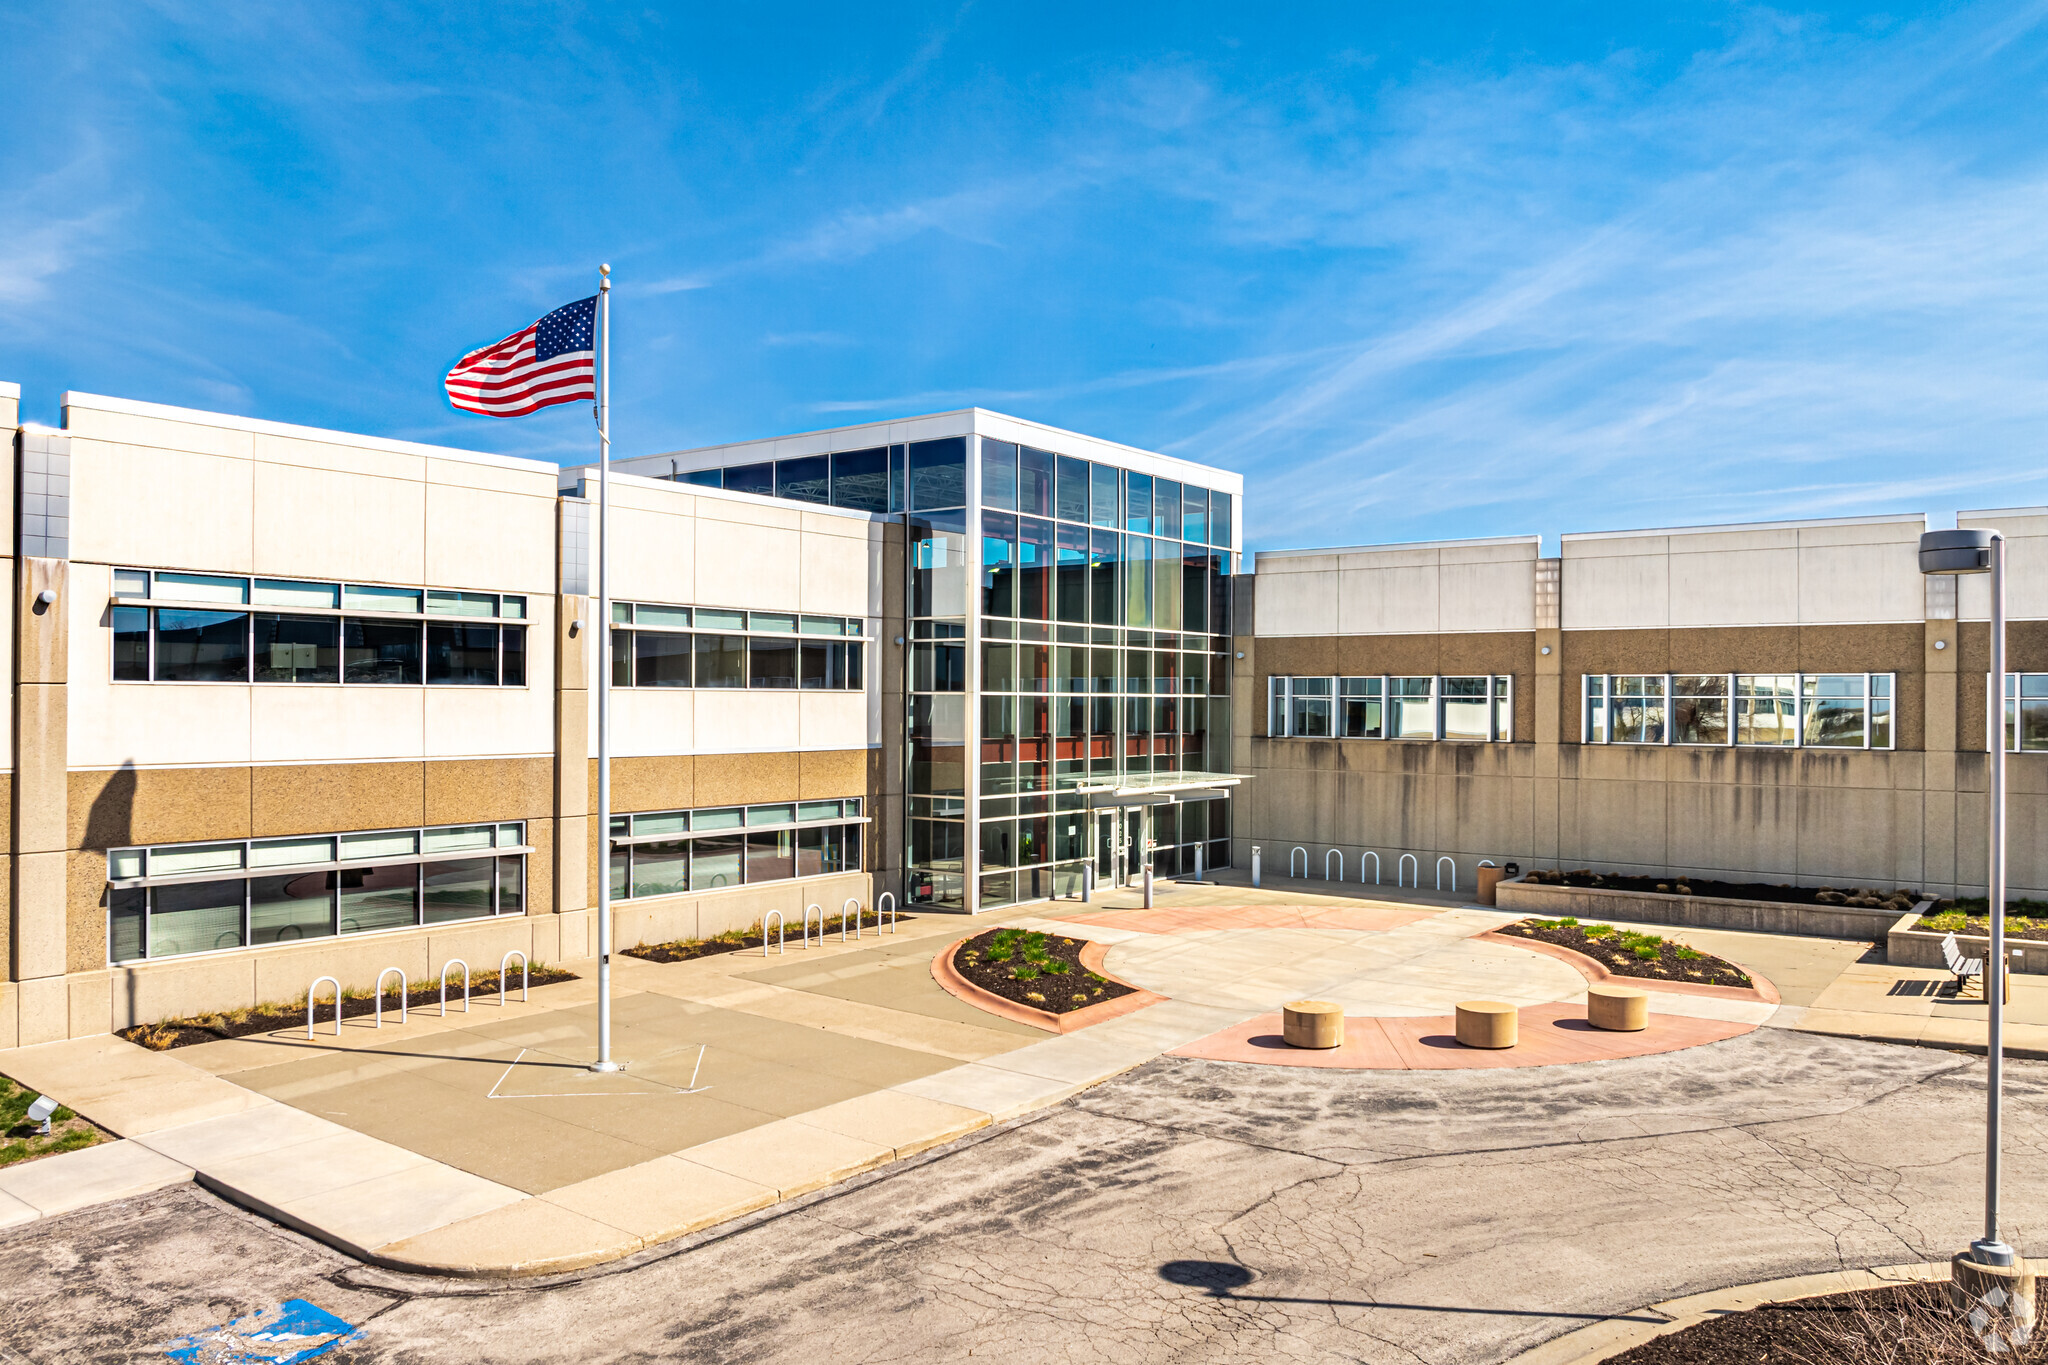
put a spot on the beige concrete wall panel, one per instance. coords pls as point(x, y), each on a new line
point(1861, 583)
point(340, 458)
point(1738, 587)
point(1734, 828)
point(1481, 816)
point(290, 723)
point(1623, 822)
point(1488, 596)
point(653, 783)
point(1616, 592)
point(833, 571)
point(41, 913)
point(1849, 835)
point(85, 912)
point(284, 974)
point(318, 798)
point(40, 718)
point(198, 515)
point(488, 720)
point(120, 807)
point(834, 720)
point(746, 779)
point(529, 482)
point(489, 539)
point(42, 1011)
point(825, 774)
point(161, 432)
point(319, 523)
point(1299, 602)
point(461, 791)
point(654, 556)
point(1381, 601)
point(89, 1003)
point(741, 564)
point(42, 646)
point(158, 723)
point(740, 721)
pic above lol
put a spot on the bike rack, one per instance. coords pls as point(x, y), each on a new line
point(853, 901)
point(1447, 858)
point(454, 962)
point(313, 990)
point(1304, 862)
point(524, 976)
point(1339, 856)
point(404, 990)
point(781, 934)
point(1401, 870)
point(890, 897)
point(807, 925)
point(1375, 867)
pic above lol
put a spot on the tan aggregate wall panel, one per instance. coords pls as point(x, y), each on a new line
point(112, 809)
point(337, 796)
point(459, 791)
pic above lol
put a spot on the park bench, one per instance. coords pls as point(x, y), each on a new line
point(1960, 967)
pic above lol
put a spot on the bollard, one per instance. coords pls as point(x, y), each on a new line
point(1198, 863)
point(1255, 867)
point(1148, 886)
point(1087, 882)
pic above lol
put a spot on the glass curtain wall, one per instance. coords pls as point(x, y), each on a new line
point(1070, 626)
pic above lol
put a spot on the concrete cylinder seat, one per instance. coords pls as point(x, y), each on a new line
point(1486, 1023)
point(1619, 1009)
point(1312, 1023)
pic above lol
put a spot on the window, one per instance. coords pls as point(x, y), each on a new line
point(1750, 710)
point(1359, 703)
point(351, 633)
point(751, 478)
point(860, 480)
point(2026, 712)
point(1460, 708)
point(806, 480)
point(172, 900)
point(666, 646)
point(666, 853)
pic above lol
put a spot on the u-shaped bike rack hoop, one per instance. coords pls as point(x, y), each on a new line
point(454, 962)
point(1375, 867)
point(524, 976)
point(890, 897)
point(1304, 861)
point(404, 990)
point(1401, 870)
point(314, 990)
point(781, 934)
point(807, 925)
point(853, 901)
point(1339, 855)
point(1447, 858)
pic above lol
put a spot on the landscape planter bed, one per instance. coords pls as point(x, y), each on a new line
point(1910, 944)
point(212, 1028)
point(1621, 953)
point(1905, 1324)
point(1002, 970)
point(1620, 898)
point(689, 949)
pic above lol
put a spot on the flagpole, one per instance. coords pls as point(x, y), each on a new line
point(604, 1060)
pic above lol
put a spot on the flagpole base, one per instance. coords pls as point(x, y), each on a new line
point(607, 1067)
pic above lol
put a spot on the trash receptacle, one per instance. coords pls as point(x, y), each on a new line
point(1489, 878)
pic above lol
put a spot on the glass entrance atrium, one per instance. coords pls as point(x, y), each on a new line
point(1069, 637)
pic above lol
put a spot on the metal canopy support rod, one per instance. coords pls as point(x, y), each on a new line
point(604, 1060)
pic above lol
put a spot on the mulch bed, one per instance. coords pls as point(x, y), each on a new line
point(22, 1141)
point(1897, 1325)
point(688, 949)
point(1626, 952)
point(2023, 919)
point(212, 1028)
point(1043, 971)
point(1862, 897)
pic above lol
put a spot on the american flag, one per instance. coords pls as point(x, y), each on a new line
point(553, 361)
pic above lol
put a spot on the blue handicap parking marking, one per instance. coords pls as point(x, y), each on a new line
point(293, 1331)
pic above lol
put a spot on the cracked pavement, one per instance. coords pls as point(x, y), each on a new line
point(1186, 1211)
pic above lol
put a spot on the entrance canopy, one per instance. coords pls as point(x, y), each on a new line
point(1156, 789)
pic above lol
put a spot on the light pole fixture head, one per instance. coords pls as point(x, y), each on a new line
point(1958, 551)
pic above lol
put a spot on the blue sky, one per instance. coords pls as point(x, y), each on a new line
point(1485, 270)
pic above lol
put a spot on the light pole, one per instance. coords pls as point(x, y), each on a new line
point(1961, 552)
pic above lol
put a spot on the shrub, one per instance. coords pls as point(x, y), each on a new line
point(1598, 930)
point(1648, 952)
point(1027, 972)
point(1689, 954)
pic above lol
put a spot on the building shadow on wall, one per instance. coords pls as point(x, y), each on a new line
point(110, 823)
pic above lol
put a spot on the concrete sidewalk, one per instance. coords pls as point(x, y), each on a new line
point(480, 1143)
